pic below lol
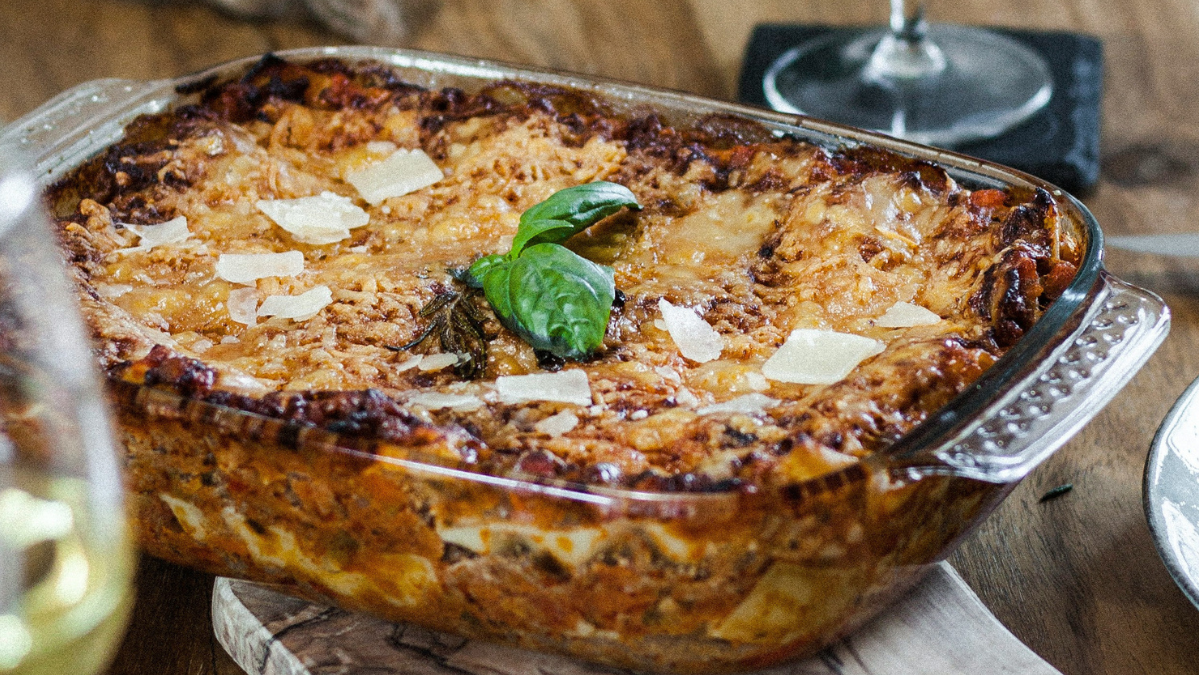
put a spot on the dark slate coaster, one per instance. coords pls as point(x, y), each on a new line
point(1059, 144)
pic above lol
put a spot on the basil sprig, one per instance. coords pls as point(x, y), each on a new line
point(550, 296)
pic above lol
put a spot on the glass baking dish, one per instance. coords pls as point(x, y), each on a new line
point(691, 582)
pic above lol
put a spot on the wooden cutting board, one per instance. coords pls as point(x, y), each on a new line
point(940, 628)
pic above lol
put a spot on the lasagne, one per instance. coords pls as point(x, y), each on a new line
point(285, 249)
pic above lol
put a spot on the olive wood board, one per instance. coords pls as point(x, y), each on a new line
point(939, 628)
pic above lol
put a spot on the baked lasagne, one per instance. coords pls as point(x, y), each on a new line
point(783, 311)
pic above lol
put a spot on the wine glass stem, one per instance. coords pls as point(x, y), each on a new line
point(907, 20)
point(905, 53)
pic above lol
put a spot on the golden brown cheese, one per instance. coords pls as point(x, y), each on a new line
point(760, 235)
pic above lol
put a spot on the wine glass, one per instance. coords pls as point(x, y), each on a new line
point(934, 84)
point(65, 557)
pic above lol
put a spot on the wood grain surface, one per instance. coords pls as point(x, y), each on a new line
point(939, 628)
point(1076, 578)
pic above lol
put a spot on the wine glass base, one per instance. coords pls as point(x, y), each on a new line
point(990, 83)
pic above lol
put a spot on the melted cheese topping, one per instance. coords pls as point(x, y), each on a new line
point(786, 241)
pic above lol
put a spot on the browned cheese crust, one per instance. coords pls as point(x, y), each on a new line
point(761, 235)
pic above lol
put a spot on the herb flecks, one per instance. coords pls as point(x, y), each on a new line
point(458, 326)
point(550, 296)
point(1056, 492)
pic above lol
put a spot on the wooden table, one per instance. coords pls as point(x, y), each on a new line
point(1076, 578)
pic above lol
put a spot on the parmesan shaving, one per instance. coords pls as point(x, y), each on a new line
point(403, 172)
point(438, 361)
point(685, 398)
point(695, 338)
point(435, 401)
point(242, 382)
point(819, 356)
point(906, 315)
point(748, 404)
point(410, 363)
point(669, 374)
point(321, 219)
point(556, 425)
point(110, 291)
point(243, 268)
point(172, 231)
point(242, 304)
point(895, 235)
point(756, 381)
point(567, 386)
point(380, 147)
point(298, 307)
point(158, 337)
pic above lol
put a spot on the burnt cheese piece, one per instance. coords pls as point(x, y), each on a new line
point(757, 236)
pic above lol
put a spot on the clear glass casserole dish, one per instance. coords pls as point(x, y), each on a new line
point(691, 582)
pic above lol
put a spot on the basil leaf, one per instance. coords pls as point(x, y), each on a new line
point(478, 271)
point(540, 231)
point(579, 207)
point(553, 299)
point(496, 288)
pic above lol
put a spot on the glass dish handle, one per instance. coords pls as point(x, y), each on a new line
point(1020, 429)
point(68, 128)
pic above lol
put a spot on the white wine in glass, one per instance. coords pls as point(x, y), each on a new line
point(65, 556)
point(936, 84)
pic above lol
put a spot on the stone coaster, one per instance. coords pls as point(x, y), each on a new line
point(940, 628)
